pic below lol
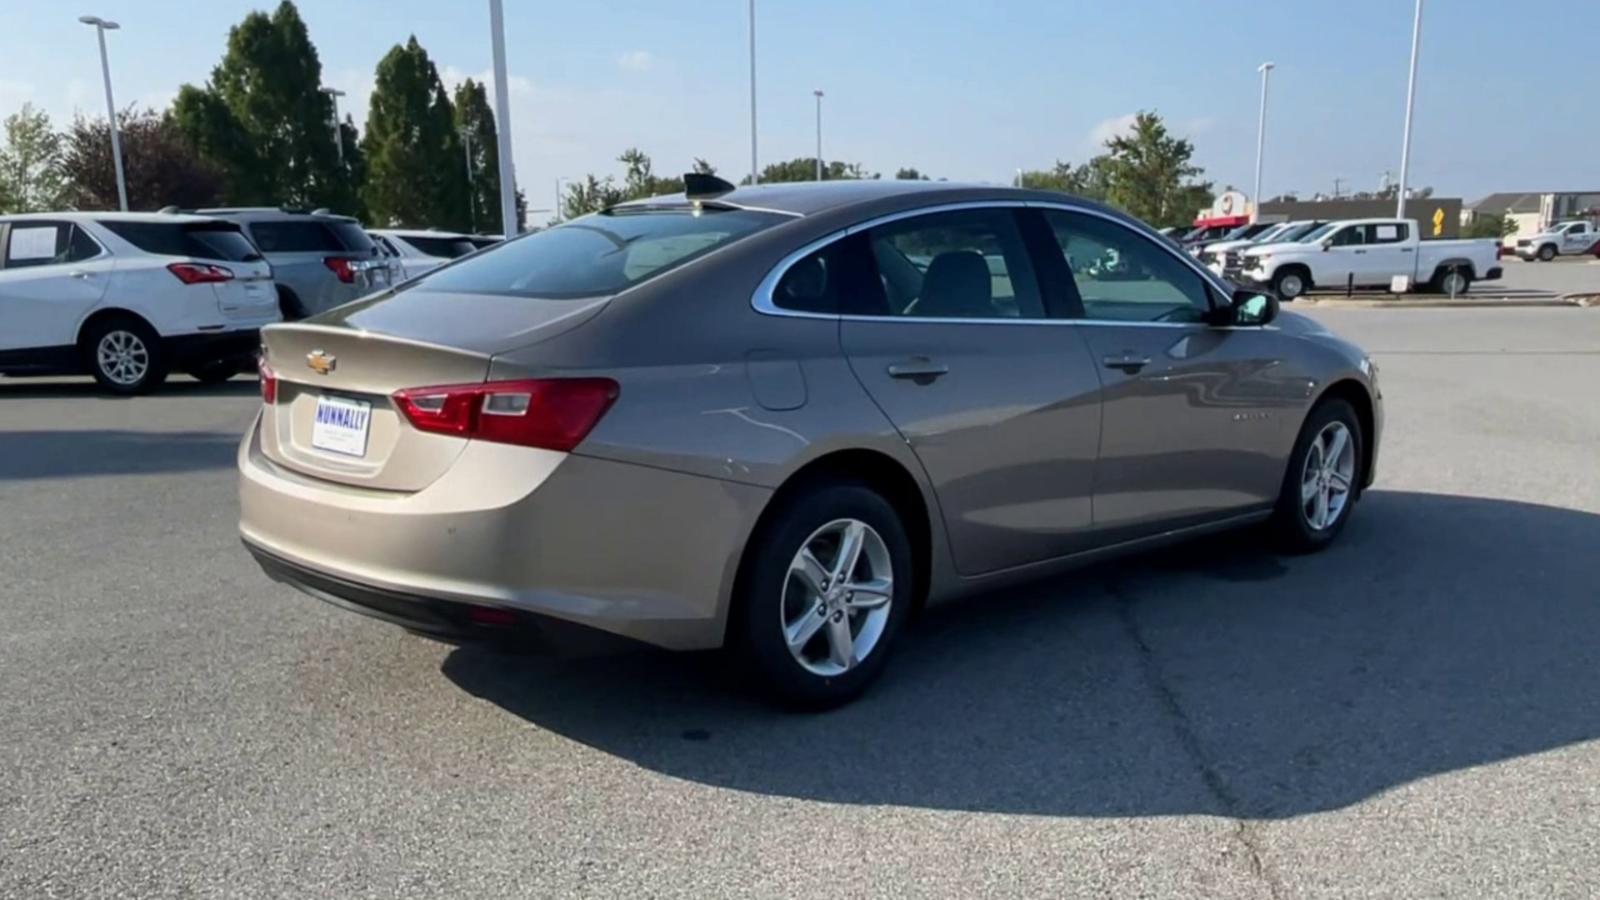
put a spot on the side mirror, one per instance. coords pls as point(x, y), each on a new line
point(1327, 244)
point(1252, 308)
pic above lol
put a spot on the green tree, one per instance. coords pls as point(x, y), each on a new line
point(263, 119)
point(416, 173)
point(805, 169)
point(1490, 226)
point(1090, 180)
point(161, 168)
point(594, 193)
point(31, 179)
point(475, 118)
point(1150, 176)
point(910, 173)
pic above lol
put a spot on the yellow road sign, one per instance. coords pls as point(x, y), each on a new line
point(1438, 221)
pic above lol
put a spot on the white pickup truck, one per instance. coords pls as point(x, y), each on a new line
point(1561, 239)
point(1369, 253)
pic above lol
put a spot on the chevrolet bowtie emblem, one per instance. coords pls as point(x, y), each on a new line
point(321, 363)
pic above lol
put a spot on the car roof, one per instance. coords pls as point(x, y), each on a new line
point(80, 216)
point(804, 198)
point(271, 213)
point(416, 232)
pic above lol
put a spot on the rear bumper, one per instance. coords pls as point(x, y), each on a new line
point(633, 551)
point(1493, 274)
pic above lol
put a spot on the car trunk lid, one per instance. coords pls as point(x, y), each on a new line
point(334, 417)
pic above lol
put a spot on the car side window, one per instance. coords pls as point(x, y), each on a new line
point(1123, 276)
point(47, 244)
point(1350, 236)
point(964, 264)
point(1387, 234)
point(836, 278)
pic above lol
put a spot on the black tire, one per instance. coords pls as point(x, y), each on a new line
point(1291, 525)
point(1441, 280)
point(133, 361)
point(289, 305)
point(756, 632)
point(1289, 283)
point(1547, 252)
point(216, 371)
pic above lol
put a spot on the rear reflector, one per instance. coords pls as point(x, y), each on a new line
point(489, 615)
point(199, 273)
point(549, 413)
point(341, 267)
point(269, 381)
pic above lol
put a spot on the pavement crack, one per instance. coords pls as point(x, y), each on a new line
point(1245, 832)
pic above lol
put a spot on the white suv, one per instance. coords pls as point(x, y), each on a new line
point(414, 253)
point(126, 297)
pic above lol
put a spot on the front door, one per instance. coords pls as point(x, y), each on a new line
point(51, 275)
point(950, 337)
point(1195, 419)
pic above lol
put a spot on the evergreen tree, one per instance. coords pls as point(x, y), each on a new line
point(264, 120)
point(475, 119)
point(416, 173)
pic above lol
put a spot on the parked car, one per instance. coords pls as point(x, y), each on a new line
point(414, 252)
point(1561, 239)
point(532, 439)
point(1240, 233)
point(1370, 253)
point(126, 297)
point(320, 260)
point(1203, 234)
point(1226, 259)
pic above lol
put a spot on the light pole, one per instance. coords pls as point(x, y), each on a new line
point(1411, 99)
point(819, 134)
point(755, 171)
point(101, 26)
point(472, 189)
point(502, 113)
point(1261, 139)
point(338, 134)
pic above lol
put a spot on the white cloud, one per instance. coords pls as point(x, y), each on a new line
point(1197, 125)
point(1111, 128)
point(636, 60)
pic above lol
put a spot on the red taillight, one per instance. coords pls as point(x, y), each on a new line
point(199, 273)
point(341, 267)
point(269, 382)
point(550, 413)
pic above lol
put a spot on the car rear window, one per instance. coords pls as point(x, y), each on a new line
point(294, 237)
point(599, 254)
point(220, 240)
point(447, 247)
point(352, 236)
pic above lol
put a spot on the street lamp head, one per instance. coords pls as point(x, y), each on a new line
point(333, 92)
point(99, 22)
point(817, 93)
point(1266, 67)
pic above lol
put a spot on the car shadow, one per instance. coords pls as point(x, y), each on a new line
point(69, 454)
point(63, 388)
point(1440, 633)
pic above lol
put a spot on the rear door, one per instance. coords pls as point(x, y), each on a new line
point(1194, 418)
point(951, 338)
point(52, 274)
point(1390, 251)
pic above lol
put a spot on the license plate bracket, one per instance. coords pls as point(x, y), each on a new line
point(341, 425)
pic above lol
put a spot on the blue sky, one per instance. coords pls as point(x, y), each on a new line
point(969, 91)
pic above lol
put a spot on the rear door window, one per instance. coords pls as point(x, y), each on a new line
point(221, 241)
point(48, 243)
point(967, 264)
point(1387, 233)
point(600, 254)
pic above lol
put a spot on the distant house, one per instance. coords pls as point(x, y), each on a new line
point(1532, 211)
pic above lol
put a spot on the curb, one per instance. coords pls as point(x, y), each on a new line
point(1397, 302)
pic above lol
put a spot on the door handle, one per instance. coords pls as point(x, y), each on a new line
point(1408, 249)
point(919, 369)
point(1127, 362)
point(1360, 252)
point(78, 274)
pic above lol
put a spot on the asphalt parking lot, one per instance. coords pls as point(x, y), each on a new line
point(1414, 713)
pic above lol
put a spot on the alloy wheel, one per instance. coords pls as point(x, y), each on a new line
point(123, 357)
point(1328, 477)
point(837, 596)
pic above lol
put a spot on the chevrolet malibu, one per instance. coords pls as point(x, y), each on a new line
point(782, 419)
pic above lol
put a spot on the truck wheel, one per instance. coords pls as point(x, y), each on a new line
point(1547, 252)
point(1289, 284)
point(1454, 280)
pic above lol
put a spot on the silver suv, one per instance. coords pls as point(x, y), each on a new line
point(320, 260)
